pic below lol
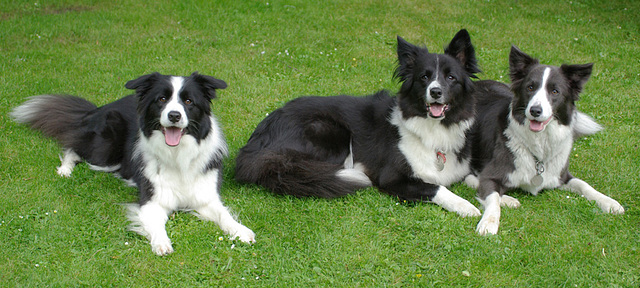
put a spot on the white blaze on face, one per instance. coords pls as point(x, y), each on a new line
point(173, 128)
point(540, 100)
point(434, 106)
point(174, 105)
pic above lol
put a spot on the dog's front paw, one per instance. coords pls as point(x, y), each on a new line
point(488, 226)
point(609, 205)
point(64, 171)
point(467, 210)
point(508, 201)
point(244, 234)
point(162, 248)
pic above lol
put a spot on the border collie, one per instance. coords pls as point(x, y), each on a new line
point(163, 139)
point(523, 136)
point(411, 145)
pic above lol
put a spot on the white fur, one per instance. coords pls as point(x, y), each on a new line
point(454, 203)
point(584, 125)
point(422, 138)
point(491, 218)
point(508, 201)
point(356, 173)
point(605, 203)
point(179, 181)
point(552, 146)
point(541, 97)
point(175, 104)
point(472, 181)
point(68, 160)
point(433, 84)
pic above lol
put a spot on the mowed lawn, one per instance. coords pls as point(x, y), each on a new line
point(72, 231)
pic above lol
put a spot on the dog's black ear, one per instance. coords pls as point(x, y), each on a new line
point(577, 75)
point(462, 49)
point(520, 64)
point(143, 83)
point(209, 84)
point(407, 55)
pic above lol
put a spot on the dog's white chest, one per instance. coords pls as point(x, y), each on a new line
point(431, 149)
point(178, 174)
point(532, 151)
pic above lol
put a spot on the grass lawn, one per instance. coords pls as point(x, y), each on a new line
point(72, 232)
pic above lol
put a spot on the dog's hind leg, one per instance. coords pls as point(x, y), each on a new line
point(605, 203)
point(69, 160)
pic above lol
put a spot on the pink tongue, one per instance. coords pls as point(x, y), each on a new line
point(436, 110)
point(536, 126)
point(172, 136)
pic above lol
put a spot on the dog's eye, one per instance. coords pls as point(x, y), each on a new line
point(554, 92)
point(530, 88)
point(162, 99)
point(188, 101)
point(425, 77)
point(451, 77)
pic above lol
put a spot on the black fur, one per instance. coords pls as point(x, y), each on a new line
point(300, 148)
point(106, 136)
point(515, 144)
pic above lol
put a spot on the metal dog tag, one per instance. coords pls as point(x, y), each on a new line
point(537, 180)
point(441, 159)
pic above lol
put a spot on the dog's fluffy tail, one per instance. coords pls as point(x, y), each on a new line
point(295, 173)
point(56, 116)
point(584, 125)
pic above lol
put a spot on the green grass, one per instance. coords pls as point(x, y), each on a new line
point(72, 232)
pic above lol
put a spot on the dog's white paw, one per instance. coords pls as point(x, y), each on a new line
point(609, 205)
point(472, 181)
point(488, 226)
point(64, 171)
point(466, 209)
point(162, 248)
point(454, 203)
point(508, 201)
point(244, 234)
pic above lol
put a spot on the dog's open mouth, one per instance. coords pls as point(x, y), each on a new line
point(436, 110)
point(172, 135)
point(537, 126)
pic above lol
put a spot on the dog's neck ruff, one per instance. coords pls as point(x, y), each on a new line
point(539, 157)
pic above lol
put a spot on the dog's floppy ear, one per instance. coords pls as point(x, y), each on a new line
point(407, 55)
point(520, 64)
point(209, 84)
point(143, 83)
point(462, 49)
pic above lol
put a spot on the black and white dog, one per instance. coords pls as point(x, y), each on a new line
point(410, 146)
point(163, 139)
point(524, 134)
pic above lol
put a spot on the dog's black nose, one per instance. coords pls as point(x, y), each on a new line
point(435, 93)
point(535, 110)
point(174, 116)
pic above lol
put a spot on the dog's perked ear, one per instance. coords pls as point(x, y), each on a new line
point(209, 84)
point(577, 75)
point(407, 55)
point(143, 83)
point(520, 64)
point(462, 49)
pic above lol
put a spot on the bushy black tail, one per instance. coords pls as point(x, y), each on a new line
point(56, 116)
point(295, 173)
